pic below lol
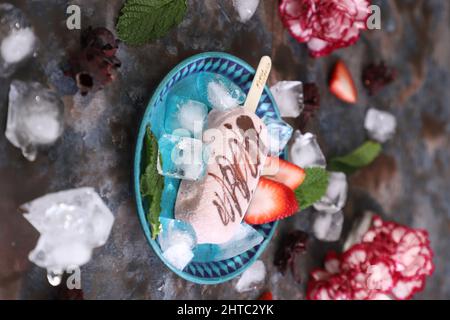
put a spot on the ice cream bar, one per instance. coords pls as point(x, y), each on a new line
point(237, 141)
point(216, 205)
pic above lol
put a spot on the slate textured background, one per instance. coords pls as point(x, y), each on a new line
point(409, 183)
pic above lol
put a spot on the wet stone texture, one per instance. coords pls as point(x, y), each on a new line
point(409, 183)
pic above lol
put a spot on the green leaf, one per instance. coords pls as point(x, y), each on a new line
point(359, 158)
point(152, 183)
point(313, 188)
point(142, 21)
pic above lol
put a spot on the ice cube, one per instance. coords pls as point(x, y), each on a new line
point(35, 117)
point(71, 223)
point(279, 133)
point(17, 39)
point(245, 8)
point(182, 157)
point(380, 125)
point(328, 226)
point(219, 92)
point(251, 277)
point(305, 151)
point(245, 239)
point(336, 194)
point(183, 113)
point(289, 97)
point(177, 241)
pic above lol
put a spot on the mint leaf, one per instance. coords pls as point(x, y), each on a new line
point(152, 183)
point(360, 157)
point(142, 21)
point(313, 188)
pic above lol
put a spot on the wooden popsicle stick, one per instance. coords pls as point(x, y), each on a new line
point(257, 88)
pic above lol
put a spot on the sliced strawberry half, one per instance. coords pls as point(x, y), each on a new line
point(285, 172)
point(272, 201)
point(341, 83)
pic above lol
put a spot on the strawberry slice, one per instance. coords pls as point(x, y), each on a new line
point(285, 172)
point(272, 201)
point(266, 296)
point(341, 83)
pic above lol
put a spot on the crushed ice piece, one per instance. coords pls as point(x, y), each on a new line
point(380, 125)
point(179, 255)
point(336, 195)
point(279, 133)
point(251, 277)
point(183, 113)
point(18, 45)
point(289, 98)
point(181, 157)
point(244, 239)
point(17, 39)
point(246, 9)
point(71, 223)
point(328, 226)
point(35, 117)
point(305, 151)
point(176, 231)
point(177, 241)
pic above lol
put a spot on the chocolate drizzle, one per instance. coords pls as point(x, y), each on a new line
point(245, 123)
point(234, 176)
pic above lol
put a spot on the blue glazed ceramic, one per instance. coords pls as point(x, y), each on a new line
point(241, 74)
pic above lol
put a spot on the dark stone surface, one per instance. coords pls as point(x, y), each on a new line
point(409, 183)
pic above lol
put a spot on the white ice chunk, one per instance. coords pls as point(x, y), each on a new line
point(336, 195)
point(44, 128)
point(18, 45)
point(305, 151)
point(245, 8)
point(380, 125)
point(17, 39)
point(255, 274)
point(71, 224)
point(289, 97)
point(179, 255)
point(328, 226)
point(35, 117)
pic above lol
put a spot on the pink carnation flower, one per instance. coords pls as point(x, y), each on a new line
point(325, 25)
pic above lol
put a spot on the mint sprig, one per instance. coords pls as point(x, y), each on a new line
point(142, 21)
point(313, 188)
point(152, 183)
point(357, 159)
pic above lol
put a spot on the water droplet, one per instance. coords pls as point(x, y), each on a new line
point(54, 278)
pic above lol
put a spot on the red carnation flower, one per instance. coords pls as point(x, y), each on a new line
point(391, 262)
point(325, 25)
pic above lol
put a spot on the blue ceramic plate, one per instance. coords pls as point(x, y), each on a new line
point(242, 75)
